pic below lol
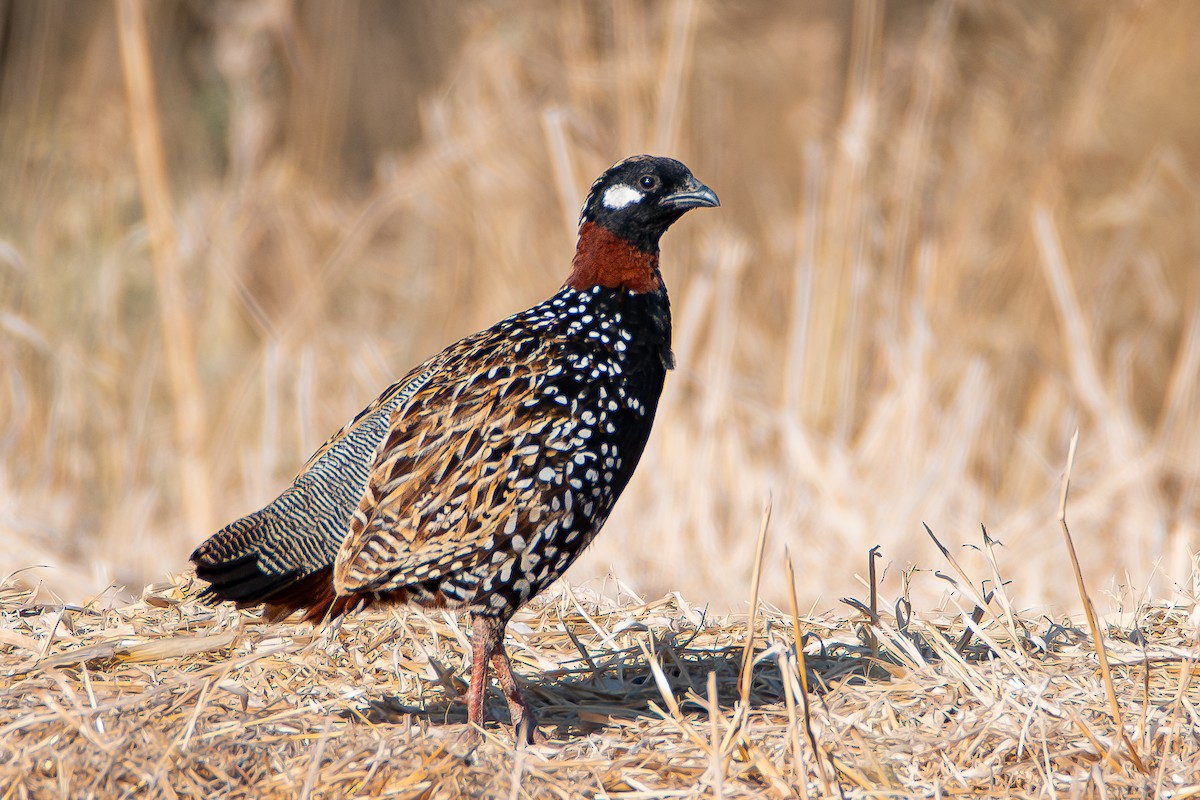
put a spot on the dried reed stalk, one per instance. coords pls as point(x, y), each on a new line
point(179, 346)
point(918, 372)
point(1090, 611)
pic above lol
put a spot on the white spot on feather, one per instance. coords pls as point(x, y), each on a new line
point(620, 196)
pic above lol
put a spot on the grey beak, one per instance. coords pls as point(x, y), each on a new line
point(695, 196)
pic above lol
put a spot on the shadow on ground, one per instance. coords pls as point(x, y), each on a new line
point(619, 688)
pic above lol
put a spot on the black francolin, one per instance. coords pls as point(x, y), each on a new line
point(475, 480)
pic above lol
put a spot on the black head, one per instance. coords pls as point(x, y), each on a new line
point(640, 197)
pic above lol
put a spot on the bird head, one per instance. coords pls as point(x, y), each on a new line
point(640, 197)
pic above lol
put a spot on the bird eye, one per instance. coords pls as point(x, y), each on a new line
point(648, 182)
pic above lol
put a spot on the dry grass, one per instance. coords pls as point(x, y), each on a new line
point(165, 698)
point(952, 233)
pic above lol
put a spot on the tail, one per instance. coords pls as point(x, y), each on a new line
point(231, 561)
point(282, 556)
point(261, 560)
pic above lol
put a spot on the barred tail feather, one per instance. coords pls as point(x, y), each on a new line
point(254, 560)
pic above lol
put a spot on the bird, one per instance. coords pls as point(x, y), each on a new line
point(473, 482)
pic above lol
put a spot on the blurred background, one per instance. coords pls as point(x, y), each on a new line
point(952, 232)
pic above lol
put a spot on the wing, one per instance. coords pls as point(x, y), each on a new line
point(266, 556)
point(455, 461)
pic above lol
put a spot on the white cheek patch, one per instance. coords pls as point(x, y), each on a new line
point(620, 196)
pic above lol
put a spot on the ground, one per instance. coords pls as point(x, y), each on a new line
point(167, 697)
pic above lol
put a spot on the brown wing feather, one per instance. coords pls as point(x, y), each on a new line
point(442, 484)
point(271, 554)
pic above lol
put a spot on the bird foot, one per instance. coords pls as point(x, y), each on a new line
point(524, 732)
point(487, 645)
point(525, 724)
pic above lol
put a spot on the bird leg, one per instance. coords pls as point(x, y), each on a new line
point(477, 689)
point(487, 645)
point(523, 720)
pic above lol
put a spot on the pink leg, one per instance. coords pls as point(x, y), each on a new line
point(523, 720)
point(487, 644)
point(477, 690)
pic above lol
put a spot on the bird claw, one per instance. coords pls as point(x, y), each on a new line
point(525, 727)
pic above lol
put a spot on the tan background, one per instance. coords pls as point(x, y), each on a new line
point(951, 233)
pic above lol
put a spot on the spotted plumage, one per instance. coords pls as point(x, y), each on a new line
point(479, 477)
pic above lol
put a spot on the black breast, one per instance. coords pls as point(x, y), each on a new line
point(609, 352)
